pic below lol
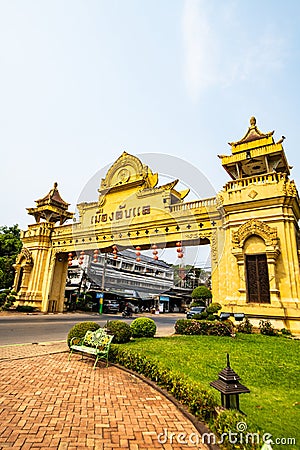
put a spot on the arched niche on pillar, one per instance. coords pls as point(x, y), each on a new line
point(23, 268)
point(256, 238)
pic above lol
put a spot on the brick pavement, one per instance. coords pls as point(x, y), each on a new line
point(19, 351)
point(47, 403)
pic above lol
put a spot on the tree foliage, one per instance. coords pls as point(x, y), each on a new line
point(190, 276)
point(7, 299)
point(10, 246)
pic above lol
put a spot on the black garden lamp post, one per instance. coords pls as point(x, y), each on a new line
point(230, 387)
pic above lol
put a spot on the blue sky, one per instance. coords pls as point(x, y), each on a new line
point(82, 81)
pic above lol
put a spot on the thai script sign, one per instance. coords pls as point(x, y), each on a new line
point(121, 214)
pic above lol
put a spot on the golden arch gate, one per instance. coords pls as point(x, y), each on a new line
point(251, 226)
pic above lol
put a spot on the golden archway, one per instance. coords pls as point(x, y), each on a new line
point(133, 210)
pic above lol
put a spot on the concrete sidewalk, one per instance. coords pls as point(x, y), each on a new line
point(47, 403)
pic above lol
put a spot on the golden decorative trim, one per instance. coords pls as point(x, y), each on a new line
point(254, 226)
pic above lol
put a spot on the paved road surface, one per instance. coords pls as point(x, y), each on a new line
point(23, 329)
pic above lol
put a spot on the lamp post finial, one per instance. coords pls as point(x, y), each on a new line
point(228, 362)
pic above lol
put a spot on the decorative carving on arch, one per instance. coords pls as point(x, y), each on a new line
point(126, 170)
point(25, 254)
point(269, 236)
point(254, 226)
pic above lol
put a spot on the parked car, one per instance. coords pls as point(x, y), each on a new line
point(110, 306)
point(194, 310)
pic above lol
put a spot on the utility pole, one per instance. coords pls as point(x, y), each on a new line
point(102, 284)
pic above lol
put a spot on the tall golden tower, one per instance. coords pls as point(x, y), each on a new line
point(261, 210)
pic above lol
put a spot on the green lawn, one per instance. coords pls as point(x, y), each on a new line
point(268, 366)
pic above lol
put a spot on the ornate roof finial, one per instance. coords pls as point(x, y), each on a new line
point(253, 134)
point(53, 190)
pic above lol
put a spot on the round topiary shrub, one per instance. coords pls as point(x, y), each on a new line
point(143, 327)
point(80, 329)
point(201, 295)
point(197, 303)
point(120, 330)
point(213, 308)
point(203, 315)
point(197, 317)
point(212, 317)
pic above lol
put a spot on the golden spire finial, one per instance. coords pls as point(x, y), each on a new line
point(252, 121)
point(53, 190)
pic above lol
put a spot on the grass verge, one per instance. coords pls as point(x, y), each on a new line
point(268, 366)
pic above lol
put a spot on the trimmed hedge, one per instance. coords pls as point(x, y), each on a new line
point(199, 401)
point(120, 330)
point(143, 327)
point(80, 329)
point(236, 431)
point(25, 308)
point(198, 327)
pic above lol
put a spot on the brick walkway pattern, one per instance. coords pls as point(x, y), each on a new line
point(47, 403)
